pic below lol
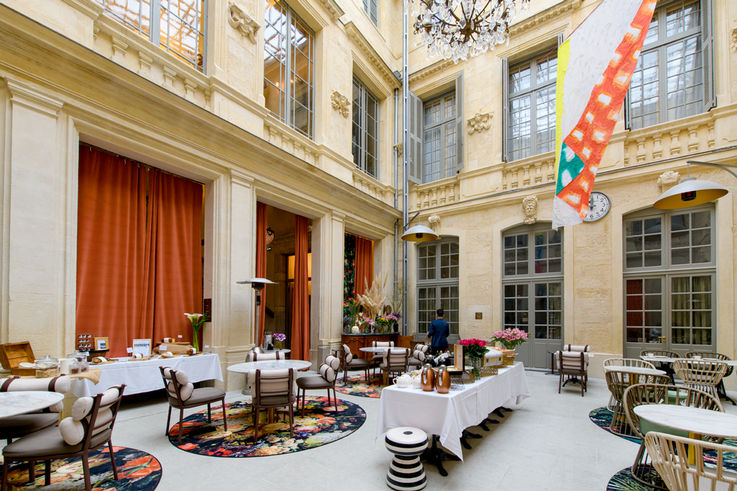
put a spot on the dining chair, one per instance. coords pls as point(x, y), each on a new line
point(89, 427)
point(182, 395)
point(254, 355)
point(572, 365)
point(23, 424)
point(617, 382)
point(717, 356)
point(395, 362)
point(418, 355)
point(378, 358)
point(328, 373)
point(700, 374)
point(273, 389)
point(639, 394)
point(628, 362)
point(670, 457)
point(349, 362)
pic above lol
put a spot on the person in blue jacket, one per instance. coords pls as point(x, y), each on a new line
point(438, 333)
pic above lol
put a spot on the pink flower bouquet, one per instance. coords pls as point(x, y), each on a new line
point(509, 338)
point(474, 348)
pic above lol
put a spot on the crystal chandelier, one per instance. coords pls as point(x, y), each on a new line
point(457, 29)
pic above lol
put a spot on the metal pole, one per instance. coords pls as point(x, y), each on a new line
point(405, 154)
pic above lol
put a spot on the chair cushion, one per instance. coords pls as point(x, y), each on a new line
point(414, 362)
point(358, 364)
point(313, 382)
point(23, 424)
point(204, 395)
point(275, 401)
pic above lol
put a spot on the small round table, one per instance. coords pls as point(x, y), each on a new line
point(372, 349)
point(250, 366)
point(24, 401)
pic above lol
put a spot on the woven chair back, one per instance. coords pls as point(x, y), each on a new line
point(700, 374)
point(628, 362)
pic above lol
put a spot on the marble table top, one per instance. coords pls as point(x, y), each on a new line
point(637, 370)
point(250, 366)
point(691, 419)
point(371, 349)
point(19, 402)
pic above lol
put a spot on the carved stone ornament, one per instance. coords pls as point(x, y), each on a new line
point(340, 103)
point(529, 209)
point(479, 122)
point(734, 38)
point(242, 22)
point(434, 221)
point(398, 147)
point(668, 179)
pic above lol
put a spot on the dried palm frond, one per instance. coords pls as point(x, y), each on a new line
point(373, 299)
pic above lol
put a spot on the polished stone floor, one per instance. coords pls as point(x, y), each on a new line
point(548, 443)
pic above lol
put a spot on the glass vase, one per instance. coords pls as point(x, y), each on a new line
point(476, 364)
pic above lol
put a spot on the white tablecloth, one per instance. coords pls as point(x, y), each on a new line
point(144, 376)
point(447, 415)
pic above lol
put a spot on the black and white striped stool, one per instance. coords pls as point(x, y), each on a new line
point(406, 471)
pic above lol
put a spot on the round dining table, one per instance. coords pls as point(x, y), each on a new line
point(250, 366)
point(25, 401)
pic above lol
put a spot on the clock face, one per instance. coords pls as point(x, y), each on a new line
point(599, 205)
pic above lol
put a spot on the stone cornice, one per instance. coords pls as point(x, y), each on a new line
point(425, 72)
point(545, 16)
point(371, 55)
point(331, 6)
point(90, 8)
point(30, 97)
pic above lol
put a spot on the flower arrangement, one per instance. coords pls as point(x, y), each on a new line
point(385, 323)
point(509, 338)
point(350, 313)
point(474, 348)
point(279, 339)
point(197, 320)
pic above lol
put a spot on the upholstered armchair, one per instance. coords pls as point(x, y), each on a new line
point(572, 364)
point(254, 355)
point(23, 424)
point(273, 389)
point(418, 355)
point(182, 395)
point(325, 380)
point(89, 427)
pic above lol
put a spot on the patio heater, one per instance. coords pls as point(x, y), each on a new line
point(692, 191)
point(258, 285)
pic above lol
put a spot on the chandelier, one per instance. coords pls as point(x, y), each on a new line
point(457, 29)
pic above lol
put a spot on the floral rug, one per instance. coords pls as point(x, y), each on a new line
point(319, 426)
point(137, 470)
point(602, 417)
point(358, 386)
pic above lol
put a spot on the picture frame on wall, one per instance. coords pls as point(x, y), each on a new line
point(101, 344)
point(142, 346)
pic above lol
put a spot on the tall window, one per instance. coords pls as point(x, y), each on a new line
point(533, 289)
point(365, 129)
point(372, 9)
point(669, 278)
point(531, 106)
point(177, 26)
point(439, 140)
point(669, 81)
point(437, 282)
point(288, 59)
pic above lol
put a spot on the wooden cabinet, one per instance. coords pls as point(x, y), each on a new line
point(357, 341)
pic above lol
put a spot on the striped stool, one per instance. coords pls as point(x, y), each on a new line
point(406, 471)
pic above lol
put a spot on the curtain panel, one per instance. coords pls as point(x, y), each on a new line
point(364, 265)
point(300, 344)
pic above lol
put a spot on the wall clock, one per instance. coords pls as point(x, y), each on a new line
point(599, 205)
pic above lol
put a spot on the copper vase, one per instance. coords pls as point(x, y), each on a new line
point(442, 382)
point(427, 378)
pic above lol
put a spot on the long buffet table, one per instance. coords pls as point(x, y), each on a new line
point(447, 415)
point(144, 376)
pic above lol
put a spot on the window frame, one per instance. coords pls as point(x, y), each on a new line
point(371, 8)
point(443, 125)
point(287, 98)
point(365, 97)
point(438, 283)
point(154, 33)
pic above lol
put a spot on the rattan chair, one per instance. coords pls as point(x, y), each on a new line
point(273, 389)
point(639, 394)
point(572, 365)
point(717, 356)
point(618, 382)
point(669, 455)
point(700, 374)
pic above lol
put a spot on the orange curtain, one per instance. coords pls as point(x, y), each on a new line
point(300, 344)
point(261, 266)
point(111, 229)
point(177, 281)
point(364, 264)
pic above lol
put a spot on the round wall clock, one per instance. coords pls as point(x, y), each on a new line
point(599, 204)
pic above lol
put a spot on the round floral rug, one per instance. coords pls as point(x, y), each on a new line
point(358, 386)
point(137, 470)
point(320, 425)
point(602, 417)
